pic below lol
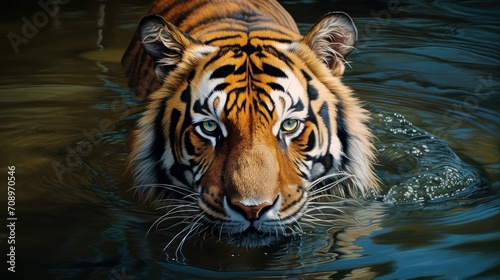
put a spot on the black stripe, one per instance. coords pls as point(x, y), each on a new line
point(181, 17)
point(165, 9)
point(312, 92)
point(208, 42)
point(222, 72)
point(248, 48)
point(342, 133)
point(158, 145)
point(311, 142)
point(265, 111)
point(188, 145)
point(197, 107)
point(212, 20)
point(216, 57)
point(280, 55)
point(306, 75)
point(213, 208)
point(299, 106)
point(268, 70)
point(276, 86)
point(177, 170)
point(242, 69)
point(245, 16)
point(220, 87)
point(201, 105)
point(186, 93)
point(325, 116)
point(327, 162)
point(273, 71)
point(275, 39)
point(174, 121)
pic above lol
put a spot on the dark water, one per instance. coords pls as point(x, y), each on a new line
point(428, 71)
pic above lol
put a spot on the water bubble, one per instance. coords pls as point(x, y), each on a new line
point(416, 152)
point(407, 165)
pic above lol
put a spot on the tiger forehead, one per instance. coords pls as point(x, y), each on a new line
point(253, 64)
point(240, 54)
point(260, 67)
point(243, 78)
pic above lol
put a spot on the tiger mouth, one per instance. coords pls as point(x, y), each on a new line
point(251, 230)
point(252, 237)
point(254, 234)
point(233, 225)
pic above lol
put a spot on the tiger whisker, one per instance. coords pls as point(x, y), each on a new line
point(325, 189)
point(328, 186)
point(187, 228)
point(276, 230)
point(326, 177)
point(318, 222)
point(179, 223)
point(171, 187)
point(175, 201)
point(296, 222)
point(183, 207)
point(184, 212)
point(345, 202)
point(339, 206)
point(173, 218)
point(192, 231)
point(172, 240)
point(156, 223)
point(220, 231)
point(319, 208)
point(174, 208)
point(331, 196)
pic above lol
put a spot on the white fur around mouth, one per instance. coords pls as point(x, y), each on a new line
point(254, 238)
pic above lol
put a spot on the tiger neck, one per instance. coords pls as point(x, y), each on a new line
point(239, 29)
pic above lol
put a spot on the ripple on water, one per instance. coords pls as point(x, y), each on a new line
point(415, 165)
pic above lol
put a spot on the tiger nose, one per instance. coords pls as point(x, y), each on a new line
point(251, 212)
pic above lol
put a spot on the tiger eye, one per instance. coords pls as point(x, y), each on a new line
point(289, 125)
point(209, 126)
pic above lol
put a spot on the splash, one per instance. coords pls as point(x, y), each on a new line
point(415, 165)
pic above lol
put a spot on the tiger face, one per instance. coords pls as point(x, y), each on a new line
point(249, 124)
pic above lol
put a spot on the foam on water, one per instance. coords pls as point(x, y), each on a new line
point(416, 166)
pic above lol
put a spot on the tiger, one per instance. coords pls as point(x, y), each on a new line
point(245, 117)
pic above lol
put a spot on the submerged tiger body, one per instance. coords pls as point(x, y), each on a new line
point(245, 114)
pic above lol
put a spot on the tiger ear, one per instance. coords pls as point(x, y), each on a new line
point(164, 42)
point(332, 38)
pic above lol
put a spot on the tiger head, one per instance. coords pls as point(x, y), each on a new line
point(251, 128)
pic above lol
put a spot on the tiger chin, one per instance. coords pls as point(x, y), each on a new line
point(247, 126)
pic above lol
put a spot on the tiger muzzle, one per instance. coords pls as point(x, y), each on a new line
point(252, 179)
point(251, 212)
